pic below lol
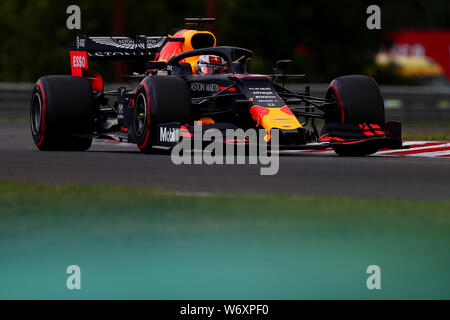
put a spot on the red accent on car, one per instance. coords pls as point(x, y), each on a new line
point(325, 139)
point(43, 115)
point(354, 141)
point(258, 113)
point(237, 142)
point(183, 132)
point(147, 134)
point(286, 110)
point(96, 81)
point(78, 62)
point(253, 76)
point(172, 48)
point(369, 130)
point(230, 89)
point(340, 103)
point(379, 131)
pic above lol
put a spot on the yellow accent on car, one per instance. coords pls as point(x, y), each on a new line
point(278, 119)
point(187, 45)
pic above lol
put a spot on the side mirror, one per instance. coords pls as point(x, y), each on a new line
point(248, 66)
point(283, 65)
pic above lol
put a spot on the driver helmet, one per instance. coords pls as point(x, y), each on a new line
point(210, 64)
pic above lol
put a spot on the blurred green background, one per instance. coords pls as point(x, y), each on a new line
point(324, 38)
point(138, 243)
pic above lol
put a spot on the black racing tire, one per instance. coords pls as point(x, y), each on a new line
point(355, 151)
point(158, 100)
point(61, 107)
point(358, 100)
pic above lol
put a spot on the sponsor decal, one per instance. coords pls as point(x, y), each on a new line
point(215, 60)
point(205, 87)
point(128, 43)
point(105, 54)
point(125, 42)
point(81, 43)
point(264, 96)
point(79, 61)
point(170, 135)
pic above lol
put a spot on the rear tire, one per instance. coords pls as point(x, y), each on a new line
point(159, 99)
point(359, 101)
point(61, 107)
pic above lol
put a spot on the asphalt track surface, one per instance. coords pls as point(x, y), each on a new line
point(300, 174)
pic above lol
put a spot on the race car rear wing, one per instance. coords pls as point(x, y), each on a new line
point(85, 48)
point(121, 48)
point(141, 48)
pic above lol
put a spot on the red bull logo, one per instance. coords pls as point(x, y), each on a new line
point(215, 60)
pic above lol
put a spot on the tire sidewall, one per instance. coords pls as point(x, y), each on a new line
point(39, 90)
point(359, 100)
point(145, 140)
point(66, 109)
point(165, 103)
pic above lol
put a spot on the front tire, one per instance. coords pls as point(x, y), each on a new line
point(159, 100)
point(355, 151)
point(61, 108)
point(359, 101)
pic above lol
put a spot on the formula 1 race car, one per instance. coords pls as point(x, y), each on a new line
point(176, 92)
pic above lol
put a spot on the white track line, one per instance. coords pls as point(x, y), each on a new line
point(418, 149)
point(415, 149)
point(408, 143)
point(430, 154)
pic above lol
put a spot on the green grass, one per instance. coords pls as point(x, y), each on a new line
point(426, 130)
point(141, 243)
point(14, 118)
point(426, 136)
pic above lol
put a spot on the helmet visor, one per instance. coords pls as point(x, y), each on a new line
point(209, 70)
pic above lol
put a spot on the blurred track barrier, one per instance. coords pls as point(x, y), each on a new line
point(402, 103)
point(15, 99)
